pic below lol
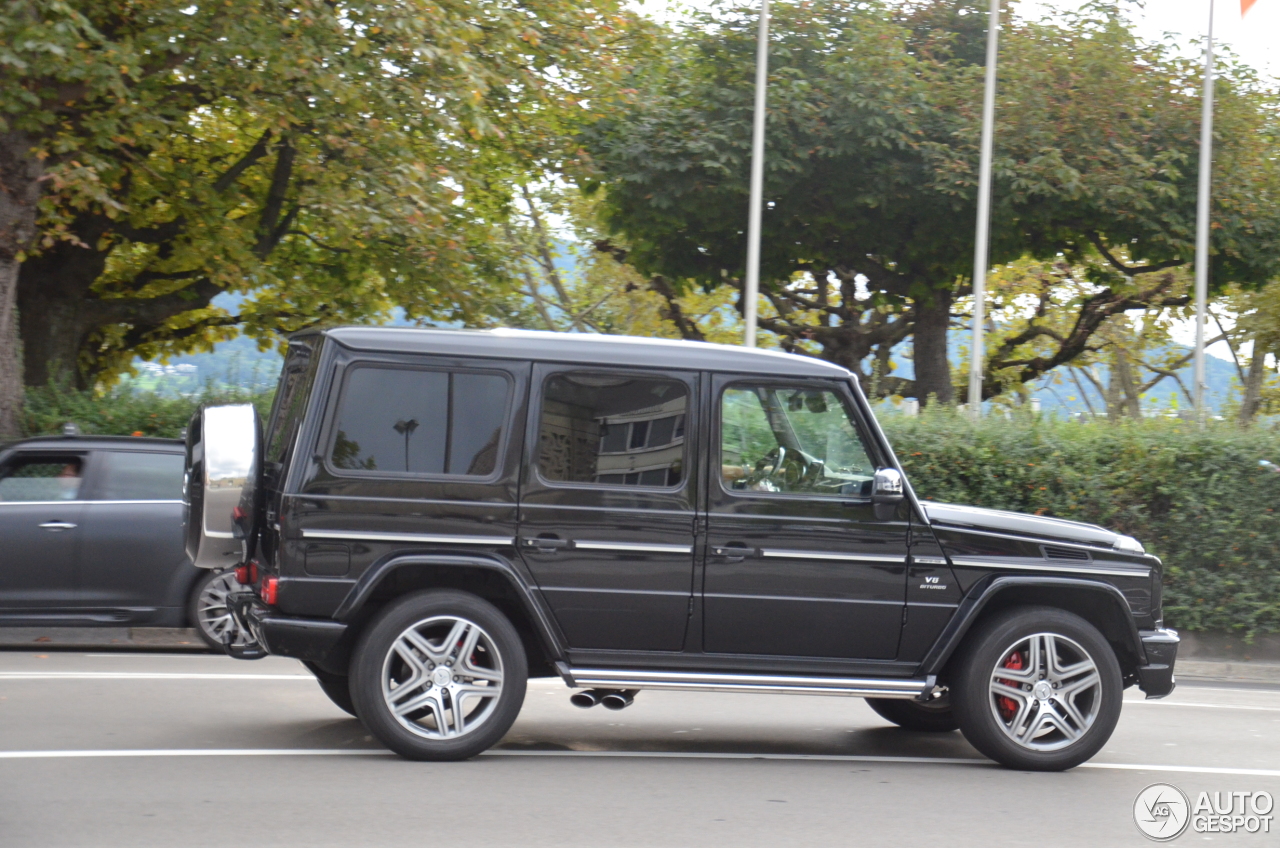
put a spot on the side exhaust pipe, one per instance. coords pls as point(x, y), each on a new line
point(619, 699)
point(587, 698)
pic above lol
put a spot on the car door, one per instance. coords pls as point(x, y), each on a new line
point(132, 546)
point(40, 517)
point(797, 562)
point(607, 504)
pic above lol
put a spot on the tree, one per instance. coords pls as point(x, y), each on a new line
point(322, 159)
point(871, 173)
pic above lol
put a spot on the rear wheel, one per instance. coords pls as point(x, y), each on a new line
point(1038, 689)
point(336, 686)
point(439, 675)
point(208, 612)
point(932, 716)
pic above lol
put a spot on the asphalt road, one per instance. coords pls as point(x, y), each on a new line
point(193, 750)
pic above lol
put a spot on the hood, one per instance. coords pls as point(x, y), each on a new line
point(1022, 524)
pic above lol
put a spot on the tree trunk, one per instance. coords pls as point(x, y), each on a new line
point(53, 291)
point(933, 369)
point(1253, 381)
point(20, 174)
point(1123, 370)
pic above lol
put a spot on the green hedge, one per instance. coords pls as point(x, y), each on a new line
point(1197, 499)
point(123, 411)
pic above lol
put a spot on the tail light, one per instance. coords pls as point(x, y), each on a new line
point(269, 587)
point(247, 575)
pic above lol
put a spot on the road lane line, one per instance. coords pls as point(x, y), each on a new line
point(143, 675)
point(1204, 706)
point(668, 755)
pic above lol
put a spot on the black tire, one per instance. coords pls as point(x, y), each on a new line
point(496, 652)
point(990, 720)
point(204, 613)
point(336, 686)
point(934, 716)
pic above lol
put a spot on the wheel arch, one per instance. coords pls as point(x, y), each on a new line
point(488, 577)
point(1098, 603)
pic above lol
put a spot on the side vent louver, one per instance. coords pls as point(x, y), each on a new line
point(1052, 552)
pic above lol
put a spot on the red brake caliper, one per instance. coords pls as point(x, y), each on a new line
point(1007, 706)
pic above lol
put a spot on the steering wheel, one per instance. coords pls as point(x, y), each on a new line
point(771, 470)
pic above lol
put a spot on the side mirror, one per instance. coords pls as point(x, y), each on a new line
point(887, 491)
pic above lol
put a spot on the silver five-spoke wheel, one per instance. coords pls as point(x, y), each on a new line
point(442, 677)
point(1045, 692)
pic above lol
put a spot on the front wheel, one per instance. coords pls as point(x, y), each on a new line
point(1037, 688)
point(439, 675)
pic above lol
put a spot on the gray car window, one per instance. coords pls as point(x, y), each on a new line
point(41, 478)
point(134, 476)
point(420, 422)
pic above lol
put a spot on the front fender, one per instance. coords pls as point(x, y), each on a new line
point(1120, 625)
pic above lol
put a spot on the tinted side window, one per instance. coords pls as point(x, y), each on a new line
point(613, 430)
point(420, 422)
point(41, 478)
point(129, 476)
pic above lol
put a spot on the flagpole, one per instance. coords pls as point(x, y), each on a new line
point(751, 292)
point(977, 355)
point(1202, 221)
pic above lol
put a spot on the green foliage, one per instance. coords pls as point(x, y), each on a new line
point(1197, 499)
point(123, 411)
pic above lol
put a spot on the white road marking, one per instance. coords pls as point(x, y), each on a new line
point(672, 755)
point(142, 675)
point(1204, 706)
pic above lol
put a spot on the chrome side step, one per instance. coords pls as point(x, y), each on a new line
point(859, 687)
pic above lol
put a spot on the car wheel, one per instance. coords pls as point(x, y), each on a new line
point(336, 686)
point(1038, 689)
point(208, 613)
point(932, 716)
point(439, 675)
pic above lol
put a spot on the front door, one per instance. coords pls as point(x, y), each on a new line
point(797, 562)
point(607, 507)
point(40, 518)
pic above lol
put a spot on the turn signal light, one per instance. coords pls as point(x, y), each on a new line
point(269, 587)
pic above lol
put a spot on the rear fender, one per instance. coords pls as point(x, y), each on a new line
point(490, 577)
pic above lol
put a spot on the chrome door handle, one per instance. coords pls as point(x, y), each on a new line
point(546, 545)
point(57, 526)
point(733, 553)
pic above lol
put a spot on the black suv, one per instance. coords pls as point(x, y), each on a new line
point(430, 517)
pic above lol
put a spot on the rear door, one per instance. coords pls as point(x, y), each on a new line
point(132, 532)
point(607, 504)
point(40, 532)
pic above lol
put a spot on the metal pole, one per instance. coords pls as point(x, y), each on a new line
point(751, 293)
point(1202, 221)
point(978, 354)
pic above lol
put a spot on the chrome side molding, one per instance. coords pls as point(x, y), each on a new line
point(858, 687)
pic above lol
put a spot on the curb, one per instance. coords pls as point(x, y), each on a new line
point(102, 638)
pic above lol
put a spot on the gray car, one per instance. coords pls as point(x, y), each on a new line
point(92, 536)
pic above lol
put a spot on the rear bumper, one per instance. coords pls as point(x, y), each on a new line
point(1156, 677)
point(308, 639)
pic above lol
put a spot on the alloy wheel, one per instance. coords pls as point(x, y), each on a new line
point(442, 677)
point(213, 617)
point(1045, 692)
